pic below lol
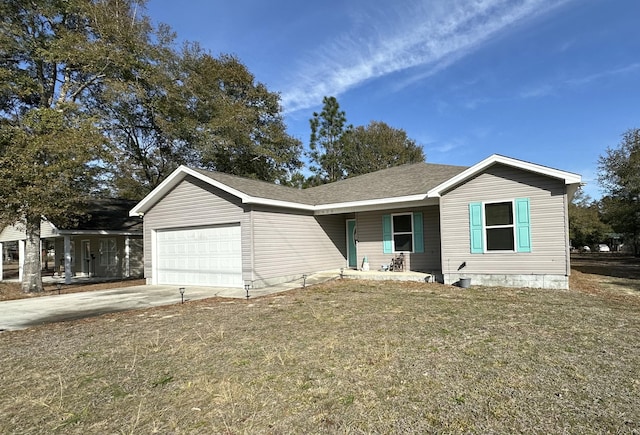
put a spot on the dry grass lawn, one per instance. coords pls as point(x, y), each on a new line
point(343, 357)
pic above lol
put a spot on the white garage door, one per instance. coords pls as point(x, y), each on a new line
point(200, 256)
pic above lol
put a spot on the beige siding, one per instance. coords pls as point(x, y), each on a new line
point(369, 229)
point(289, 244)
point(16, 232)
point(548, 224)
point(194, 203)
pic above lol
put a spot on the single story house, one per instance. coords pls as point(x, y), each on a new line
point(105, 243)
point(501, 221)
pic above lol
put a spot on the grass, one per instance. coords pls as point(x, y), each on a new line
point(343, 357)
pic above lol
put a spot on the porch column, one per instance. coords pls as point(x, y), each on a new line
point(1, 260)
point(42, 260)
point(21, 259)
point(67, 259)
point(127, 268)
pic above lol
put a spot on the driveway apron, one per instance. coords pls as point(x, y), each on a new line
point(23, 313)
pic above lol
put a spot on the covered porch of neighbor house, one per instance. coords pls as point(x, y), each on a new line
point(105, 243)
point(100, 255)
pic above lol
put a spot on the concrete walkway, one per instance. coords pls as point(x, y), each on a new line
point(24, 313)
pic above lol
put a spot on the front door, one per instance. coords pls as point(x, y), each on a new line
point(352, 253)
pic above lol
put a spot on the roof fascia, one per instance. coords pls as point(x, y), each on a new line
point(374, 204)
point(278, 203)
point(567, 177)
point(98, 233)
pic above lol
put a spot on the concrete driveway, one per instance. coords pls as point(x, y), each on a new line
point(24, 313)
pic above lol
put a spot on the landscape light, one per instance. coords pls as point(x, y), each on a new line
point(182, 294)
point(246, 288)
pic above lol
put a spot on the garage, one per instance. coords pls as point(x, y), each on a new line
point(204, 256)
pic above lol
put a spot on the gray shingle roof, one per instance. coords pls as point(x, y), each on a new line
point(404, 180)
point(109, 215)
point(260, 189)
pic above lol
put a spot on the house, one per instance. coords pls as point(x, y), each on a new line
point(105, 243)
point(501, 221)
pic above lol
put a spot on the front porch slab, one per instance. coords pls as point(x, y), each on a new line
point(377, 275)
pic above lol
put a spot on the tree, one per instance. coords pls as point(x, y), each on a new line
point(585, 226)
point(191, 108)
point(326, 142)
point(339, 151)
point(55, 57)
point(619, 176)
point(141, 118)
point(377, 146)
point(238, 125)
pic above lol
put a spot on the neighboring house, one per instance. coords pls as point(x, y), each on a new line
point(500, 222)
point(106, 243)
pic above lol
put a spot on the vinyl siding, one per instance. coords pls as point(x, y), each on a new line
point(549, 238)
point(16, 232)
point(288, 244)
point(194, 203)
point(370, 244)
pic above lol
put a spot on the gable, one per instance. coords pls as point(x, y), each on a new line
point(194, 202)
point(15, 232)
point(567, 178)
point(502, 181)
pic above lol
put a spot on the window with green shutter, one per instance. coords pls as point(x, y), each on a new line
point(403, 232)
point(500, 226)
point(387, 245)
point(476, 228)
point(523, 225)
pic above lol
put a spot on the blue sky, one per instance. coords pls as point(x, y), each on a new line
point(548, 81)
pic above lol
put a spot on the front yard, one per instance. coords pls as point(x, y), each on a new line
point(346, 356)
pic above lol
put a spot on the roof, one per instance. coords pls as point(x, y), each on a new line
point(258, 188)
point(405, 184)
point(103, 217)
point(398, 181)
point(111, 215)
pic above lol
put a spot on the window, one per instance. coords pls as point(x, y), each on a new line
point(108, 252)
point(500, 226)
point(402, 233)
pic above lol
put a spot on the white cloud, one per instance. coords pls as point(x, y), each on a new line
point(580, 81)
point(446, 147)
point(430, 35)
point(541, 90)
point(545, 89)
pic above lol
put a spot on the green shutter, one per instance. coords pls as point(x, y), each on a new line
point(475, 228)
point(418, 233)
point(523, 225)
point(387, 247)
